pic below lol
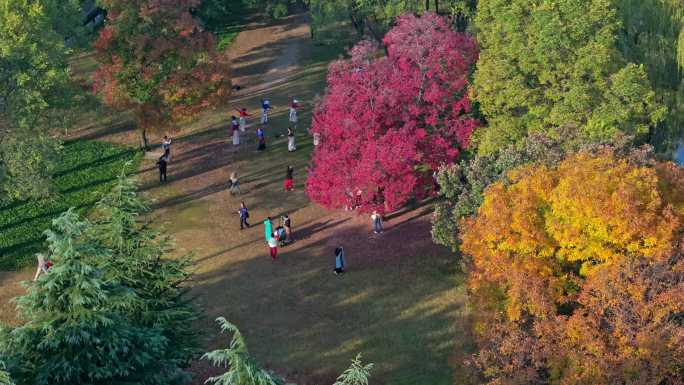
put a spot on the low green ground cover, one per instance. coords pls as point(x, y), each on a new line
point(86, 169)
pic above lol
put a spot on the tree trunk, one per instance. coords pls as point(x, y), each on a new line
point(427, 5)
point(144, 142)
point(436, 6)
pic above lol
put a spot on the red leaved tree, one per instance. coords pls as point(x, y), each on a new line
point(386, 123)
point(156, 59)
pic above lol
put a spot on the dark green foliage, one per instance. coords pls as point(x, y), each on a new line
point(139, 260)
point(85, 170)
point(225, 18)
point(76, 328)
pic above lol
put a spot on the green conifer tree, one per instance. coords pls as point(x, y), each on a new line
point(242, 368)
point(139, 261)
point(76, 328)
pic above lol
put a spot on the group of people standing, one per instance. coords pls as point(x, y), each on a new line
point(239, 124)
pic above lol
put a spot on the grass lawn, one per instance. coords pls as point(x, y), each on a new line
point(400, 304)
point(86, 169)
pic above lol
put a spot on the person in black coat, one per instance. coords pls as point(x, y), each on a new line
point(161, 164)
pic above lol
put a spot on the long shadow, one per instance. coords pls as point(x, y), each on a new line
point(395, 307)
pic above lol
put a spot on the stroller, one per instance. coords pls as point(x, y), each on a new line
point(279, 235)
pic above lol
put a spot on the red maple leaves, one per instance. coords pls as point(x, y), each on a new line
point(387, 122)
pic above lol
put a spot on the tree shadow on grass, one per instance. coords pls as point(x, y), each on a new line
point(396, 307)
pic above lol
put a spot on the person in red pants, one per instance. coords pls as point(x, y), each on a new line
point(289, 179)
point(273, 247)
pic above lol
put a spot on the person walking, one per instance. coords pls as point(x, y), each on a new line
point(339, 260)
point(273, 247)
point(289, 179)
point(265, 107)
point(294, 106)
point(261, 136)
point(287, 225)
point(161, 164)
point(268, 229)
point(235, 130)
point(244, 215)
point(43, 266)
point(377, 222)
point(243, 118)
point(234, 184)
point(290, 140)
point(166, 146)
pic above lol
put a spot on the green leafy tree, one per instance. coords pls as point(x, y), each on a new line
point(139, 261)
point(652, 33)
point(242, 368)
point(375, 17)
point(76, 329)
point(356, 374)
point(34, 81)
point(550, 64)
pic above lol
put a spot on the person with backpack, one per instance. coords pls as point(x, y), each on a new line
point(244, 215)
point(339, 260)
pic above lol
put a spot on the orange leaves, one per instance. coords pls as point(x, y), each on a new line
point(583, 264)
point(590, 210)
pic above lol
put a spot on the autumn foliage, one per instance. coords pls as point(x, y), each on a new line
point(388, 121)
point(156, 58)
point(578, 275)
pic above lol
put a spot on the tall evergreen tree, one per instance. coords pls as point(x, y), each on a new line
point(76, 328)
point(139, 261)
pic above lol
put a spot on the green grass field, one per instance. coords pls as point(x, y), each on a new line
point(86, 169)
